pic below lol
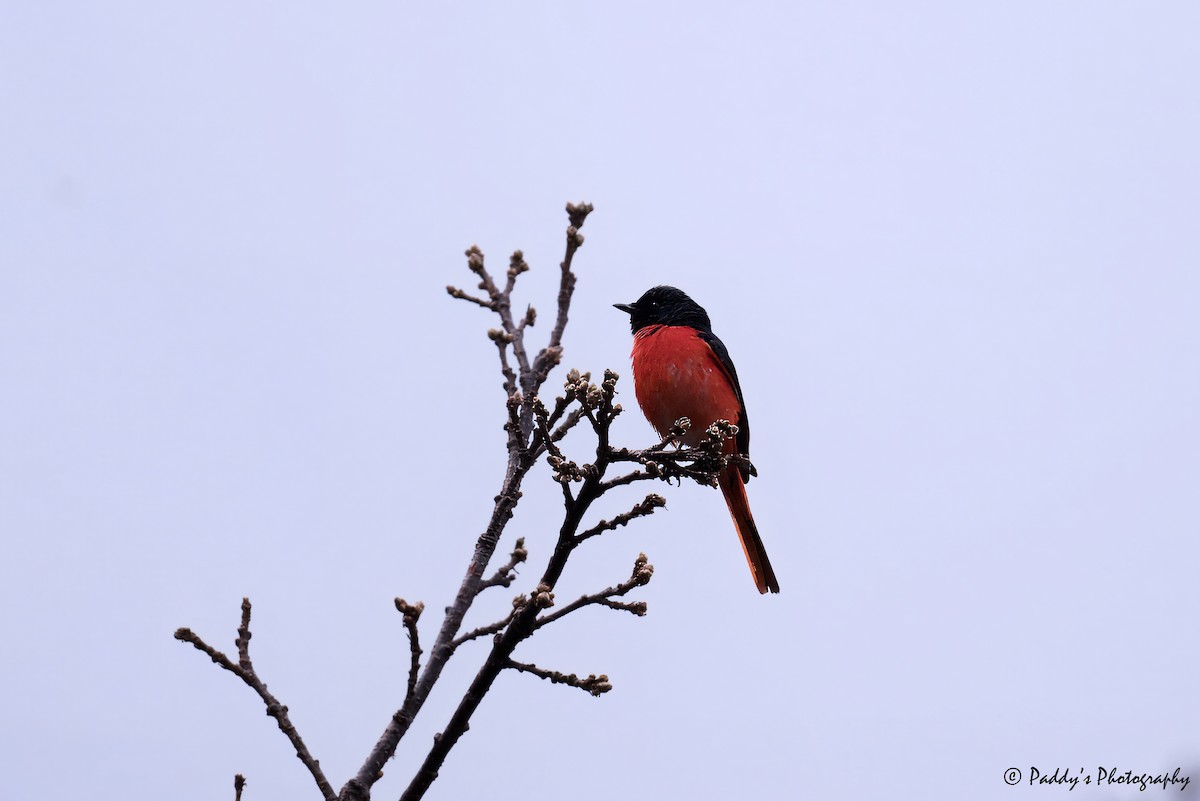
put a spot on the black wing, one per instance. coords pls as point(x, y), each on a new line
point(743, 424)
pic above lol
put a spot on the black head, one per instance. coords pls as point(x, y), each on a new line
point(665, 305)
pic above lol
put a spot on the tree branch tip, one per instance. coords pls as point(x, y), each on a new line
point(596, 685)
point(578, 212)
point(643, 571)
point(516, 264)
point(411, 612)
point(637, 608)
point(455, 292)
point(474, 259)
point(499, 336)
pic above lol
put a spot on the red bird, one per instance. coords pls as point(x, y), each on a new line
point(681, 369)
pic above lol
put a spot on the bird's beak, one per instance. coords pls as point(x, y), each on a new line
point(625, 307)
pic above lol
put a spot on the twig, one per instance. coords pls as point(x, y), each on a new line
point(244, 670)
point(516, 266)
point(596, 685)
point(574, 417)
point(239, 782)
point(643, 571)
point(483, 631)
point(412, 613)
point(506, 573)
point(549, 356)
point(629, 478)
point(645, 507)
point(455, 292)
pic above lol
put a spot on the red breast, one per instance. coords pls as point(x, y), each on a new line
point(676, 374)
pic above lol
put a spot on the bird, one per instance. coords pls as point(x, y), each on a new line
point(682, 369)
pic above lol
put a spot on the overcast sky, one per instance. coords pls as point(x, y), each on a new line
point(954, 251)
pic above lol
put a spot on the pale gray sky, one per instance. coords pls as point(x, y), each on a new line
point(953, 250)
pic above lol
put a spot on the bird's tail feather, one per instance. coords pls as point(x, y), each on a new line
point(734, 490)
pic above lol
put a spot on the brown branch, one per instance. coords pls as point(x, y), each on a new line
point(491, 628)
point(516, 441)
point(641, 509)
point(359, 787)
point(643, 571)
point(412, 613)
point(239, 782)
point(516, 266)
point(455, 292)
point(549, 356)
point(596, 685)
point(598, 403)
point(629, 478)
point(574, 417)
point(244, 669)
point(507, 573)
point(702, 463)
point(527, 378)
point(542, 419)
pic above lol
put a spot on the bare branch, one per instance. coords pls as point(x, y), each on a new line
point(475, 264)
point(506, 573)
point(542, 422)
point(596, 685)
point(629, 478)
point(455, 292)
point(503, 339)
point(516, 266)
point(574, 417)
point(642, 509)
point(239, 782)
point(643, 571)
point(525, 378)
point(245, 671)
point(491, 628)
point(550, 355)
point(516, 441)
point(412, 613)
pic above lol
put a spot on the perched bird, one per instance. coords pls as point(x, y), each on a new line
point(681, 369)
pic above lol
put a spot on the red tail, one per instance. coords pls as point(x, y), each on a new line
point(734, 491)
